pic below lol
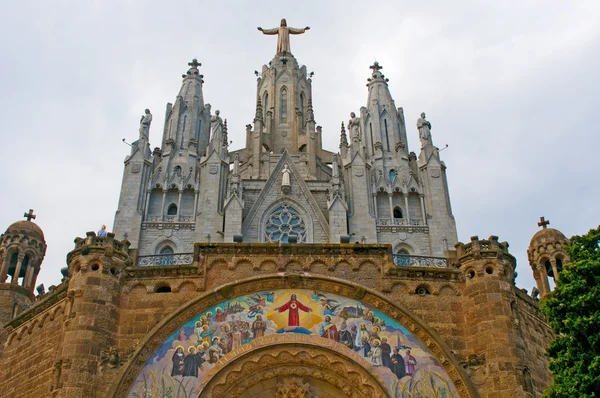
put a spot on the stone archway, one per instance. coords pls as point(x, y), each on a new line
point(289, 366)
point(428, 338)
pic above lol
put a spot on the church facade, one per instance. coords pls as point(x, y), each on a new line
point(280, 269)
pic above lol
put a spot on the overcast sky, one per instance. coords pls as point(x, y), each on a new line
point(512, 87)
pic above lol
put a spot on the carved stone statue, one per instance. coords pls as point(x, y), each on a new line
point(424, 130)
point(354, 126)
point(292, 387)
point(216, 127)
point(145, 124)
point(283, 33)
point(108, 359)
point(285, 180)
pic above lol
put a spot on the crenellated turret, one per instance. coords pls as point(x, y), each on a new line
point(95, 269)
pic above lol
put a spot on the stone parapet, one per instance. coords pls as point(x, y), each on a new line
point(93, 244)
point(482, 248)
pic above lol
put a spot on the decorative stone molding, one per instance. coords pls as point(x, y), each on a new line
point(296, 356)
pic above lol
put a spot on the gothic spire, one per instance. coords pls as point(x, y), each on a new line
point(309, 112)
point(259, 111)
point(225, 137)
point(343, 137)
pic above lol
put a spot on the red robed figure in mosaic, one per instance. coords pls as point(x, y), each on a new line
point(293, 306)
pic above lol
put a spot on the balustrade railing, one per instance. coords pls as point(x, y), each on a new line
point(385, 222)
point(165, 259)
point(405, 260)
point(172, 219)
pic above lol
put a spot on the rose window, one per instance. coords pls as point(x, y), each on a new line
point(283, 222)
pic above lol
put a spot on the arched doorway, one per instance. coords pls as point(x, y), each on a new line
point(288, 367)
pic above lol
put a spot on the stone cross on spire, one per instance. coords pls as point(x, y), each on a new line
point(543, 223)
point(29, 215)
point(193, 69)
point(377, 75)
point(376, 67)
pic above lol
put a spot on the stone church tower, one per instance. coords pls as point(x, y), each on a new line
point(280, 269)
point(283, 183)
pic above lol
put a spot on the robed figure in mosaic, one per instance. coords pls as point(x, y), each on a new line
point(294, 307)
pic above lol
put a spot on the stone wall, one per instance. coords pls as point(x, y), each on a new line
point(491, 328)
point(32, 348)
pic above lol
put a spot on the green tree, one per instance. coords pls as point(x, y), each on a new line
point(573, 312)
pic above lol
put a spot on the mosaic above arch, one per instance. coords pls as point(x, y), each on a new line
point(186, 360)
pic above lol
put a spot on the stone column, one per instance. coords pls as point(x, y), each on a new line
point(407, 210)
point(15, 278)
point(4, 267)
point(147, 205)
point(545, 283)
point(27, 279)
point(375, 201)
point(422, 199)
point(162, 207)
point(555, 269)
point(391, 208)
point(197, 192)
point(179, 205)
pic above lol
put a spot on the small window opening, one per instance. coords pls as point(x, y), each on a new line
point(283, 106)
point(167, 250)
point(387, 138)
point(397, 212)
point(422, 291)
point(163, 289)
point(13, 266)
point(95, 267)
point(549, 270)
point(371, 133)
point(172, 210)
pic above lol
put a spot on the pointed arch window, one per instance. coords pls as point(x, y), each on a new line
point(301, 108)
point(266, 106)
point(387, 138)
point(372, 143)
point(392, 175)
point(199, 131)
point(283, 113)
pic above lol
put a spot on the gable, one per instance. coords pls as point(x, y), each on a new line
point(300, 195)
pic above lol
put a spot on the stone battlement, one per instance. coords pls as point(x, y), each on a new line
point(479, 249)
point(95, 244)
